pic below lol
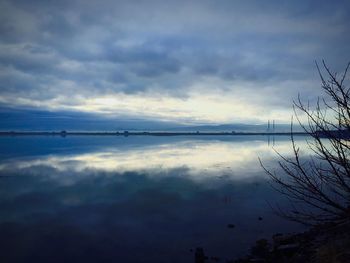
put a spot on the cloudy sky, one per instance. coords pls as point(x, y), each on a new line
point(181, 61)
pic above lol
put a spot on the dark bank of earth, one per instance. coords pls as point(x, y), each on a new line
point(322, 244)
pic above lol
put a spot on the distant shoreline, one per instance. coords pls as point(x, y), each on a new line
point(127, 133)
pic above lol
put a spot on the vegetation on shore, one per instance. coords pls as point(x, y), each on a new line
point(318, 186)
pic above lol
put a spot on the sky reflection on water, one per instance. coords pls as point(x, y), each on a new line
point(134, 199)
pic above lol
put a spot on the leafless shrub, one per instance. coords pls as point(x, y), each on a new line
point(319, 186)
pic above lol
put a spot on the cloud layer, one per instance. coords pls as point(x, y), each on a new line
point(185, 61)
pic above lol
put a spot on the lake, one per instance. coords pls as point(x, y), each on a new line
point(136, 199)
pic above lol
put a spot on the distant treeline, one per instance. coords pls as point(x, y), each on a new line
point(144, 133)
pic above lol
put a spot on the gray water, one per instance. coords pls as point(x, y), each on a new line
point(136, 199)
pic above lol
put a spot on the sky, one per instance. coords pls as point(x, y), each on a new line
point(186, 62)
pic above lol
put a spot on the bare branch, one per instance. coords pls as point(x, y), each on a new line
point(318, 186)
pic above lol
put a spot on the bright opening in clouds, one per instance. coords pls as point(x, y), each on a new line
point(181, 61)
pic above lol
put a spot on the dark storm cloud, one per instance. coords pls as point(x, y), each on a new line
point(50, 48)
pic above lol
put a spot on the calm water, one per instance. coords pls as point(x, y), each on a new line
point(135, 199)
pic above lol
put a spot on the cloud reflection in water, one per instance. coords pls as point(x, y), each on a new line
point(149, 203)
point(202, 158)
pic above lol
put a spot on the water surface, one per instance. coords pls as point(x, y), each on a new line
point(135, 199)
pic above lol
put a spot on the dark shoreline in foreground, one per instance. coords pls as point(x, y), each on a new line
point(321, 243)
point(127, 133)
